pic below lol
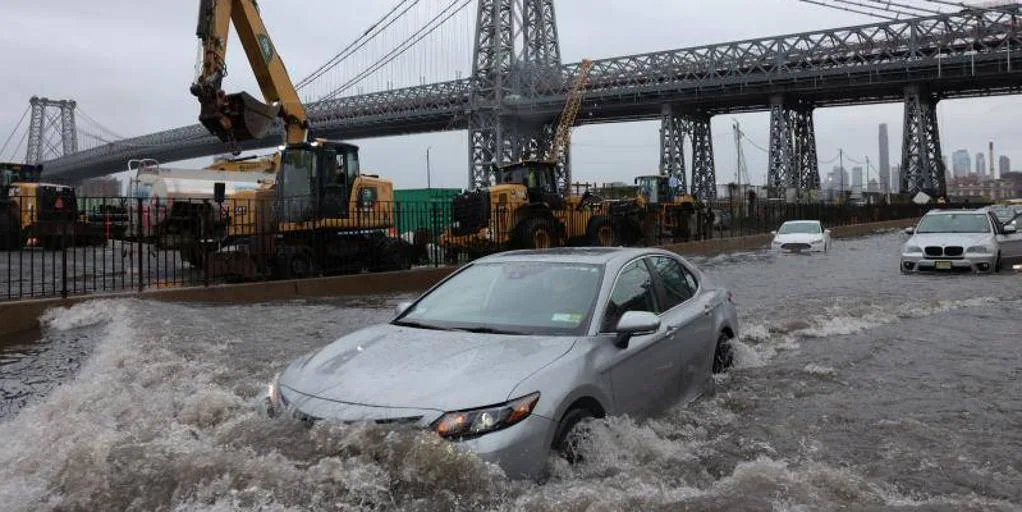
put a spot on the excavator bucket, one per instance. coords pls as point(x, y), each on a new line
point(248, 118)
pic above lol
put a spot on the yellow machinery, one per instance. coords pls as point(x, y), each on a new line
point(321, 213)
point(39, 214)
point(525, 209)
point(665, 212)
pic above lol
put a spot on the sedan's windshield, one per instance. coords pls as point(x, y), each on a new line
point(540, 298)
point(789, 228)
point(955, 223)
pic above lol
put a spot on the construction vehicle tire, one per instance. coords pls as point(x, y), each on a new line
point(602, 232)
point(11, 236)
point(393, 254)
point(298, 263)
point(536, 233)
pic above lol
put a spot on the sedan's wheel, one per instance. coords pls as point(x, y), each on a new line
point(571, 432)
point(724, 355)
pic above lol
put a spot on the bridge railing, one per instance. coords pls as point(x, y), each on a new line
point(121, 244)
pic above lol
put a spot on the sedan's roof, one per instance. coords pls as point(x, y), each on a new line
point(956, 212)
point(592, 255)
point(801, 222)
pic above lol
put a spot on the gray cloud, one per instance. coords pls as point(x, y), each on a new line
point(129, 64)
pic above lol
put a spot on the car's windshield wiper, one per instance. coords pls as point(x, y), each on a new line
point(485, 330)
point(417, 325)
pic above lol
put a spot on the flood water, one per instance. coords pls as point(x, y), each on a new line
point(857, 388)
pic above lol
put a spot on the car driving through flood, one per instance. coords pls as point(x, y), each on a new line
point(510, 355)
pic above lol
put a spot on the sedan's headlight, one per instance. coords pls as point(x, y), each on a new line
point(272, 400)
point(817, 242)
point(476, 422)
point(978, 249)
point(912, 248)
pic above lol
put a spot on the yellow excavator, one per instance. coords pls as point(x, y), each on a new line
point(526, 208)
point(321, 214)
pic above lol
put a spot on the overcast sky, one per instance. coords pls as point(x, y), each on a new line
point(129, 63)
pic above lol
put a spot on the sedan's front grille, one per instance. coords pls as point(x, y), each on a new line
point(795, 247)
point(934, 251)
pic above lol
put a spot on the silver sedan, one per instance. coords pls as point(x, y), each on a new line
point(509, 354)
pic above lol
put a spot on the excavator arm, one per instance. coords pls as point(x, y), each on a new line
point(238, 117)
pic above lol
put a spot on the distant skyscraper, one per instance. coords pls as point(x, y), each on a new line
point(1004, 165)
point(981, 165)
point(885, 159)
point(961, 163)
point(857, 179)
point(895, 179)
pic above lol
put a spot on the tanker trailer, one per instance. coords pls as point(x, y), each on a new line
point(178, 211)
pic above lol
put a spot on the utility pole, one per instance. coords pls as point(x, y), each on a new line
point(428, 185)
point(841, 171)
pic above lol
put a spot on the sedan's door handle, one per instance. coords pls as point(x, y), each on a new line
point(708, 309)
point(672, 329)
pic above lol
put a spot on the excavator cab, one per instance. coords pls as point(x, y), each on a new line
point(315, 181)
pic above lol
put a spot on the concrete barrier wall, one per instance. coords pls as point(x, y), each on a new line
point(20, 316)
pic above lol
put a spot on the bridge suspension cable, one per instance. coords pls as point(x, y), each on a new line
point(428, 28)
point(850, 9)
point(368, 35)
point(14, 131)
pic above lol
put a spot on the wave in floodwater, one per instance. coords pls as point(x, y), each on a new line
point(162, 418)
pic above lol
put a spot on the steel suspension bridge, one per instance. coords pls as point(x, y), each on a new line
point(510, 97)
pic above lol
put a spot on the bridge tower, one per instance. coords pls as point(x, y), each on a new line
point(922, 163)
point(512, 62)
point(50, 120)
point(675, 127)
point(793, 163)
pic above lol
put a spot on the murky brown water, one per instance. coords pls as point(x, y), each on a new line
point(857, 388)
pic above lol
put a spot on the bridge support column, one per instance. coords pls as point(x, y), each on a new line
point(672, 145)
point(922, 163)
point(793, 163)
point(704, 174)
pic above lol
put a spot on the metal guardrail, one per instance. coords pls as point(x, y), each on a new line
point(120, 244)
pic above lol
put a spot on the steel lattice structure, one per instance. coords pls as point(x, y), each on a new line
point(922, 162)
point(512, 97)
point(672, 145)
point(704, 176)
point(49, 118)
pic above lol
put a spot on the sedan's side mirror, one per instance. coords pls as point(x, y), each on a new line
point(402, 307)
point(634, 323)
point(1010, 229)
point(773, 232)
point(826, 231)
point(910, 230)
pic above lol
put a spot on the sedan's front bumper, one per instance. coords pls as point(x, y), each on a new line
point(798, 247)
point(971, 262)
point(521, 450)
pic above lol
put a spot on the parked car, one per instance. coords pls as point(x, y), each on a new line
point(961, 240)
point(801, 236)
point(509, 354)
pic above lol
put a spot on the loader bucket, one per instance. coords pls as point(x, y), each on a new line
point(249, 118)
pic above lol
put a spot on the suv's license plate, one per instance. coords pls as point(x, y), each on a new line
point(943, 265)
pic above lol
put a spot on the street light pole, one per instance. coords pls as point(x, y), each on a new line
point(428, 185)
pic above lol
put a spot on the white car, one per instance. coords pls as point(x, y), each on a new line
point(801, 236)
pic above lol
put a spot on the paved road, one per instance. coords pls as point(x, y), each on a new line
point(857, 388)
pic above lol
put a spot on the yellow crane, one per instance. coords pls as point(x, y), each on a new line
point(321, 213)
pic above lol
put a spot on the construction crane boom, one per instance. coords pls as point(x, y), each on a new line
point(562, 137)
point(238, 117)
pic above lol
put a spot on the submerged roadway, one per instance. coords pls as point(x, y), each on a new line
point(855, 387)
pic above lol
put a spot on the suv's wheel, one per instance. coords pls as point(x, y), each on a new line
point(724, 354)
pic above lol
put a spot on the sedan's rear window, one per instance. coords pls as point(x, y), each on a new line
point(512, 297)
